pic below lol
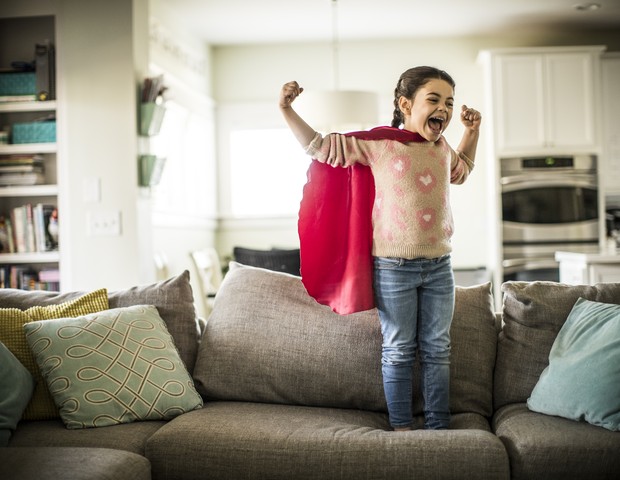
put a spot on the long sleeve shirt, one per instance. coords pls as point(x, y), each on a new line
point(411, 214)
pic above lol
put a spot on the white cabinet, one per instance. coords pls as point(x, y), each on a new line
point(610, 164)
point(544, 100)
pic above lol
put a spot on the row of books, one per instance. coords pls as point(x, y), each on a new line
point(21, 170)
point(29, 228)
point(26, 278)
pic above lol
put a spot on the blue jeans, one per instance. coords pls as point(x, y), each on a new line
point(415, 299)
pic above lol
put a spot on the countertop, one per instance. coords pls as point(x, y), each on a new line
point(588, 258)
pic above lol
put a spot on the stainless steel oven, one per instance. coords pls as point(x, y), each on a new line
point(547, 204)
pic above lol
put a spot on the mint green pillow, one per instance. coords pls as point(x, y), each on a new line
point(16, 387)
point(111, 367)
point(582, 381)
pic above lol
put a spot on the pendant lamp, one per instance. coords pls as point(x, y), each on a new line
point(338, 110)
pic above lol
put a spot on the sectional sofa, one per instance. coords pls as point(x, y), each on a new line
point(283, 388)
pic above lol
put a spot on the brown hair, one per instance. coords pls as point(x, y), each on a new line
point(409, 83)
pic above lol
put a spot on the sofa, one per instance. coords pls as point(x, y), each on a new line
point(290, 390)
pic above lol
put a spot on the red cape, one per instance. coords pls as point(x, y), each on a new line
point(335, 229)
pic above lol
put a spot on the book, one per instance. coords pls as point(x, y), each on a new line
point(6, 236)
point(22, 178)
point(46, 235)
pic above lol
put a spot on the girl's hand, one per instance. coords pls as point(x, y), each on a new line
point(470, 118)
point(290, 91)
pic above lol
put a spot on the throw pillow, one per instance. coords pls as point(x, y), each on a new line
point(268, 341)
point(112, 367)
point(12, 320)
point(582, 381)
point(16, 386)
point(173, 298)
point(533, 314)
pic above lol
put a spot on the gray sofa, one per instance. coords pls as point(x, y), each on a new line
point(293, 391)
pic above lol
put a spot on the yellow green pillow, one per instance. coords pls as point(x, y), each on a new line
point(12, 321)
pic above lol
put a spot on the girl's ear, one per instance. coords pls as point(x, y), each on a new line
point(405, 105)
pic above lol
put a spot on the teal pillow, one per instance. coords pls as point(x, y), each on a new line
point(16, 387)
point(111, 367)
point(582, 381)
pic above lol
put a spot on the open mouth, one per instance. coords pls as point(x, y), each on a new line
point(436, 124)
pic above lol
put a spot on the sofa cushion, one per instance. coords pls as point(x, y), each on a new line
point(253, 441)
point(131, 437)
point(554, 448)
point(533, 314)
point(12, 321)
point(582, 380)
point(16, 386)
point(44, 463)
point(268, 341)
point(173, 298)
point(112, 367)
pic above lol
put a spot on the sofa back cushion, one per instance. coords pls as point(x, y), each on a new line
point(268, 341)
point(533, 314)
point(173, 298)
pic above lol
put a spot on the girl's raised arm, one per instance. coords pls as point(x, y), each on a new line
point(303, 132)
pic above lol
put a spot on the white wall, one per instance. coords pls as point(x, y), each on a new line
point(244, 75)
point(98, 78)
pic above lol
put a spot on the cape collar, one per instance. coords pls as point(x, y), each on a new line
point(388, 133)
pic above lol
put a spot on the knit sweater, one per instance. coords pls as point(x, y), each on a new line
point(411, 213)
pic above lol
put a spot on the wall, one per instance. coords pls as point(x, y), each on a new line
point(240, 78)
point(98, 77)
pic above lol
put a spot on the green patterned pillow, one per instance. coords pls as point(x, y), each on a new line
point(12, 320)
point(112, 367)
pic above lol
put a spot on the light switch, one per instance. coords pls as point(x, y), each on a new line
point(104, 223)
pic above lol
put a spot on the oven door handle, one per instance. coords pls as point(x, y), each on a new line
point(523, 182)
point(528, 264)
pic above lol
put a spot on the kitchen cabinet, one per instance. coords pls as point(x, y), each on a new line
point(588, 269)
point(29, 181)
point(543, 100)
point(610, 164)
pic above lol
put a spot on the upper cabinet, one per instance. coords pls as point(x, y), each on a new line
point(543, 100)
point(610, 177)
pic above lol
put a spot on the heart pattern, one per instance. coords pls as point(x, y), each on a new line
point(425, 181)
point(426, 218)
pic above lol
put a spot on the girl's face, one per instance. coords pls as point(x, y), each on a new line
point(430, 110)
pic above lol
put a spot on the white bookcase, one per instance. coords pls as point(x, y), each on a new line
point(17, 42)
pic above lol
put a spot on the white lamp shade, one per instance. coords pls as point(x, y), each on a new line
point(339, 110)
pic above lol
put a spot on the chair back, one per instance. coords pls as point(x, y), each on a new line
point(279, 260)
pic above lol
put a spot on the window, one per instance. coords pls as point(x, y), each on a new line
point(184, 140)
point(267, 171)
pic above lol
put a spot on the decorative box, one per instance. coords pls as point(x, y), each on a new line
point(12, 84)
point(34, 132)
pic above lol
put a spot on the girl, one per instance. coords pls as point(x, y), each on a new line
point(412, 279)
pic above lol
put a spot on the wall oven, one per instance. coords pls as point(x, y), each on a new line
point(547, 204)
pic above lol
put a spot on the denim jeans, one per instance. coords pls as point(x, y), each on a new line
point(415, 300)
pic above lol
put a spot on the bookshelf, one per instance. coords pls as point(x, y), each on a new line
point(31, 260)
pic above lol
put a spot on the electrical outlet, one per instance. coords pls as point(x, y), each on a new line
point(104, 223)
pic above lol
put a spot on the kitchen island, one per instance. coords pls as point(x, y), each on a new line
point(588, 268)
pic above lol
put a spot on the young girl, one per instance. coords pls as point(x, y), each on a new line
point(412, 278)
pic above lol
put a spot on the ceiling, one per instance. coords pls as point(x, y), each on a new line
point(223, 22)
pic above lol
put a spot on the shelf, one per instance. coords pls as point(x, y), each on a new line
point(28, 148)
point(28, 106)
point(29, 191)
point(33, 257)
